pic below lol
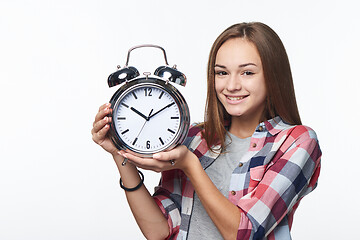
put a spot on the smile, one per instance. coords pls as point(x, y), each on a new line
point(237, 98)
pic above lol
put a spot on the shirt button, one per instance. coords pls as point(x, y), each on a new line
point(261, 128)
point(254, 145)
point(241, 164)
point(233, 193)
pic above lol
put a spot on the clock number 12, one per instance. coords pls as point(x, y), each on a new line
point(148, 92)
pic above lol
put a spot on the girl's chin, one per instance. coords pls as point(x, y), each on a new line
point(235, 113)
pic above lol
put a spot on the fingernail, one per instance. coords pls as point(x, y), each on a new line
point(156, 155)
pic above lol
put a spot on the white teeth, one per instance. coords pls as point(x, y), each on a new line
point(235, 98)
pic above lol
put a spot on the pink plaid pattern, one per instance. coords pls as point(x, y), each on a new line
point(281, 166)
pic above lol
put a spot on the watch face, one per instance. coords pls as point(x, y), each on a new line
point(148, 118)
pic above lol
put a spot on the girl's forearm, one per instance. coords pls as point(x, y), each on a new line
point(146, 212)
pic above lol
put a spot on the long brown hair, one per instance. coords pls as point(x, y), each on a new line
point(280, 99)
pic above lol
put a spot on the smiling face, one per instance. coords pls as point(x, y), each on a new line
point(239, 80)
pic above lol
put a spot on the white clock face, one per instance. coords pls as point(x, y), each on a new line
point(147, 119)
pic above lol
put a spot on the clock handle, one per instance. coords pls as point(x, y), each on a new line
point(145, 45)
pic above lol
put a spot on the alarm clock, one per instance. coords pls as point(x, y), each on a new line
point(149, 114)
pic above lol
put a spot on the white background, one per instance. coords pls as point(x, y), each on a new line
point(55, 57)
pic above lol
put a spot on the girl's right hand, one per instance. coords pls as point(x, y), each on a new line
point(101, 127)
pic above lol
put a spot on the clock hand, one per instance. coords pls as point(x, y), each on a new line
point(142, 115)
point(143, 126)
point(147, 119)
point(169, 105)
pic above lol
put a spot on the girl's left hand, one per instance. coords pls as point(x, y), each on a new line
point(177, 158)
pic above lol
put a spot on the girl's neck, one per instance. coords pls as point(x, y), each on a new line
point(242, 127)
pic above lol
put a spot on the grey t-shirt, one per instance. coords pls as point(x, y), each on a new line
point(201, 226)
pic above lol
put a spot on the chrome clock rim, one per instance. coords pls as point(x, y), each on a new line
point(165, 86)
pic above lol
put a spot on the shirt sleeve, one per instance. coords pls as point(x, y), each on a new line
point(276, 189)
point(174, 191)
point(168, 199)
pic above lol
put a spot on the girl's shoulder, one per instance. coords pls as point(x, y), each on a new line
point(195, 141)
point(196, 129)
point(301, 133)
point(278, 127)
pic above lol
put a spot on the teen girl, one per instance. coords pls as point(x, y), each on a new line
point(242, 172)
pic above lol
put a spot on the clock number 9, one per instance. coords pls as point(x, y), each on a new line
point(148, 144)
point(148, 92)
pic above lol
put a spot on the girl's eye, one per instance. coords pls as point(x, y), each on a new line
point(246, 73)
point(221, 73)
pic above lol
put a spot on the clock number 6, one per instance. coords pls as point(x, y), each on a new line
point(148, 92)
point(148, 144)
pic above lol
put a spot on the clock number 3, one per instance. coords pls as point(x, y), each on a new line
point(148, 92)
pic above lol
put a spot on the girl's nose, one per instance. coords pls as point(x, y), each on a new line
point(234, 83)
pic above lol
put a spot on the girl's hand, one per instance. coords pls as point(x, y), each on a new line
point(101, 127)
point(177, 158)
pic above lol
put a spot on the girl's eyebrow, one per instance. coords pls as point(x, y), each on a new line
point(240, 66)
point(220, 66)
point(247, 64)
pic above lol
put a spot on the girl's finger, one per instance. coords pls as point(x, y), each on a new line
point(147, 163)
point(162, 156)
point(102, 107)
point(100, 135)
point(104, 110)
point(175, 153)
point(101, 124)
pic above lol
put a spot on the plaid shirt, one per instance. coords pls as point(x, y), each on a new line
point(281, 166)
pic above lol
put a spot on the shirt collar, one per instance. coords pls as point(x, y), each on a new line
point(273, 126)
